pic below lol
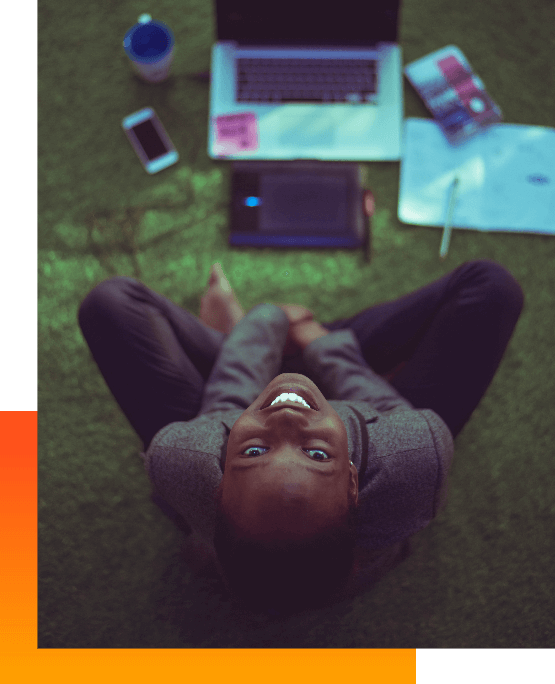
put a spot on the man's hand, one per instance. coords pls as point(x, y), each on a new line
point(303, 333)
point(296, 313)
point(303, 329)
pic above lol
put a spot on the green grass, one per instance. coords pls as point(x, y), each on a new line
point(111, 571)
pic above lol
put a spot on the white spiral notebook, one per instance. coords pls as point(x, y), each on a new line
point(506, 178)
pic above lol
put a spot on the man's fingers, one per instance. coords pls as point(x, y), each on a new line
point(296, 312)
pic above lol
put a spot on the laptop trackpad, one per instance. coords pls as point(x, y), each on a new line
point(306, 129)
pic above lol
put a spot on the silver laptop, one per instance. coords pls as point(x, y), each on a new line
point(295, 80)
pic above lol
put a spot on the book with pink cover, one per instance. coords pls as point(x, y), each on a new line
point(453, 93)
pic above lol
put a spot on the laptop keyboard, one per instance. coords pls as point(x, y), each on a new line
point(307, 80)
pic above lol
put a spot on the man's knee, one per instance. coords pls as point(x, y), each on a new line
point(106, 297)
point(498, 283)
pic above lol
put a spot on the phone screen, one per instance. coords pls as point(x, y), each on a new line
point(149, 139)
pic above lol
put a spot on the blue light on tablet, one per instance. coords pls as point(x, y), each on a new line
point(252, 201)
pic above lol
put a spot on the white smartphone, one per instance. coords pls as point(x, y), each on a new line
point(150, 140)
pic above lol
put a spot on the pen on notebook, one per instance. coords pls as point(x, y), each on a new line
point(447, 228)
point(369, 207)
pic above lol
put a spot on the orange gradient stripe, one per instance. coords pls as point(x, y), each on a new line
point(21, 661)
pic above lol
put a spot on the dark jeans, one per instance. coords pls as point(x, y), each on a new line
point(439, 346)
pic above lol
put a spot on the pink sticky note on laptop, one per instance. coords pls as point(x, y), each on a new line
point(236, 133)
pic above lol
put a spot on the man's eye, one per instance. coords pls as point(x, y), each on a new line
point(317, 458)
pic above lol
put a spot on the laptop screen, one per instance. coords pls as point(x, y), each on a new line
point(346, 23)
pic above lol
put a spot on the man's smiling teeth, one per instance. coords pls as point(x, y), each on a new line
point(290, 397)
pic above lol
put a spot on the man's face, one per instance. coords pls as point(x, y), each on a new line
point(287, 473)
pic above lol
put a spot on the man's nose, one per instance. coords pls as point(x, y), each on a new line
point(289, 416)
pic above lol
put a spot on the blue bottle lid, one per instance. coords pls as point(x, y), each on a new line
point(148, 41)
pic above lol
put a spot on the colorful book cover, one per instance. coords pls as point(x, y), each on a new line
point(453, 93)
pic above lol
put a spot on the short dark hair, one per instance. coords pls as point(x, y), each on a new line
point(287, 577)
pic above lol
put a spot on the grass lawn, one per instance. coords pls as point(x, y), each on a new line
point(111, 569)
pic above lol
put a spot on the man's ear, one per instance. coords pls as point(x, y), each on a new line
point(223, 451)
point(353, 483)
